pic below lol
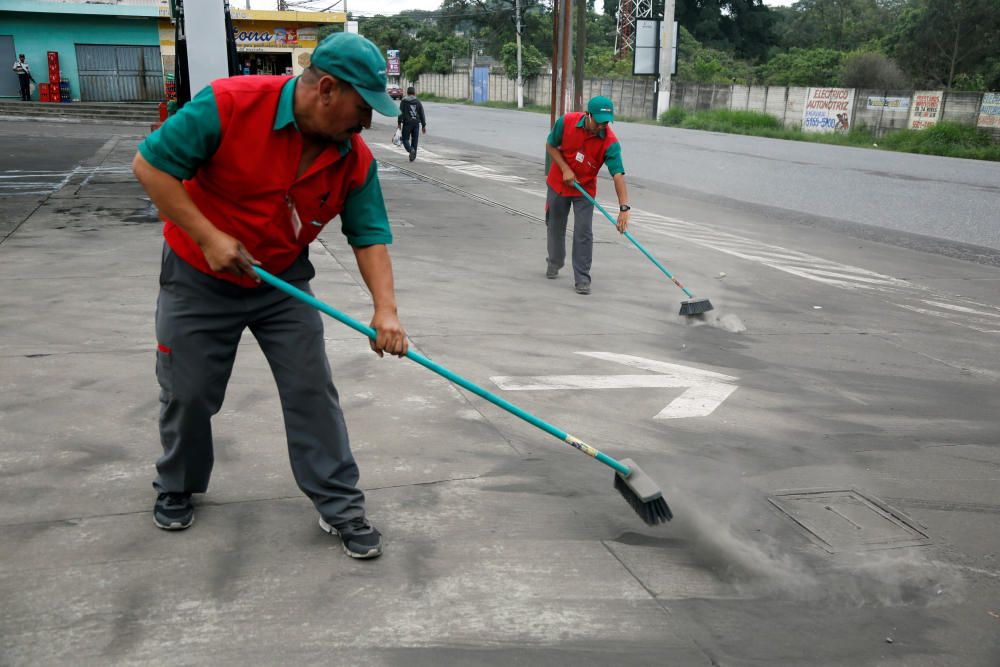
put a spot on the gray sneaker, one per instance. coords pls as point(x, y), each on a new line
point(173, 511)
point(360, 538)
point(551, 272)
point(583, 288)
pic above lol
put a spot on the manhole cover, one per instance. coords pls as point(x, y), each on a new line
point(840, 520)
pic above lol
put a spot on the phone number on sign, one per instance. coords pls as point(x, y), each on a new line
point(821, 121)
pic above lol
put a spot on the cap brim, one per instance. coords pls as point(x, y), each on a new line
point(603, 117)
point(379, 100)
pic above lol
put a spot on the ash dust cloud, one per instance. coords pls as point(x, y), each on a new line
point(732, 533)
point(727, 322)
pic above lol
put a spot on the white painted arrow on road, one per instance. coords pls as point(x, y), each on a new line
point(706, 390)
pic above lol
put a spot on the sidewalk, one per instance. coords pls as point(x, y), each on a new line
point(505, 546)
point(493, 546)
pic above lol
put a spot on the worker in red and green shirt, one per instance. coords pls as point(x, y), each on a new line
point(249, 173)
point(579, 144)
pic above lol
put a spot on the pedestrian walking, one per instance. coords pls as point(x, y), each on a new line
point(249, 173)
point(411, 119)
point(579, 144)
point(24, 78)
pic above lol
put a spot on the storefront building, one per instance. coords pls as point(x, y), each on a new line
point(268, 42)
point(105, 52)
point(121, 50)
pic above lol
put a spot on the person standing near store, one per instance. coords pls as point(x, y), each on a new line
point(411, 119)
point(24, 77)
point(579, 144)
point(249, 173)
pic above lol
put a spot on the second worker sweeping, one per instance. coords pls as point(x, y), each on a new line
point(579, 144)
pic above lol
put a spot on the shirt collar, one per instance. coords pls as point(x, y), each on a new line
point(583, 124)
point(285, 114)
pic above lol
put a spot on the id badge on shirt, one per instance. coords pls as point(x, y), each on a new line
point(579, 158)
point(294, 216)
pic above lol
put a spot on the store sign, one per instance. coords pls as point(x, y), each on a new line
point(828, 110)
point(925, 109)
point(888, 103)
point(989, 110)
point(392, 62)
point(260, 34)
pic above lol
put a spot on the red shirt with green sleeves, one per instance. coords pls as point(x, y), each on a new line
point(584, 153)
point(236, 147)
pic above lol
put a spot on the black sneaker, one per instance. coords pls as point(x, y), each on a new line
point(551, 272)
point(413, 155)
point(360, 538)
point(173, 511)
point(583, 288)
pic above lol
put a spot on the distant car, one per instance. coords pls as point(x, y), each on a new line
point(395, 92)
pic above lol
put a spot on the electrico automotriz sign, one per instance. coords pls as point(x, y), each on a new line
point(828, 110)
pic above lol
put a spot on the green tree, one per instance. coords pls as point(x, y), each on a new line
point(742, 26)
point(699, 64)
point(532, 61)
point(600, 63)
point(802, 67)
point(392, 32)
point(872, 70)
point(843, 25)
point(939, 40)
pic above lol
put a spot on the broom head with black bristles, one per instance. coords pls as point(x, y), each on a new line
point(642, 493)
point(695, 307)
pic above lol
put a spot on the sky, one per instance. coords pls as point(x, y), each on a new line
point(368, 7)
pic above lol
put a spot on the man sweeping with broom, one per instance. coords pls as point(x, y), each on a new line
point(579, 144)
point(247, 174)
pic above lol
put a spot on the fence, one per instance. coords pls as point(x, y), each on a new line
point(882, 111)
point(633, 98)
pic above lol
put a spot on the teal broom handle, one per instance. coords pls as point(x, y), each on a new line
point(632, 239)
point(444, 372)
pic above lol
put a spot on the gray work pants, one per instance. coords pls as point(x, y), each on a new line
point(199, 320)
point(556, 215)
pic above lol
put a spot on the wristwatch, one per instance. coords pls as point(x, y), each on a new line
point(624, 207)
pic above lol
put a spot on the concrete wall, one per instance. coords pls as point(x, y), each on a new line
point(633, 98)
point(786, 103)
point(883, 117)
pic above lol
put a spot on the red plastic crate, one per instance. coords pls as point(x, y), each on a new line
point(53, 58)
point(53, 92)
point(43, 92)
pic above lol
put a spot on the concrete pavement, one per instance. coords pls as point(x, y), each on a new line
point(841, 497)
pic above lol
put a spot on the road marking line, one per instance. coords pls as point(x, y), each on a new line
point(705, 390)
point(794, 262)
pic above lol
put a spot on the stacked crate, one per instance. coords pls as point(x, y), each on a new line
point(53, 76)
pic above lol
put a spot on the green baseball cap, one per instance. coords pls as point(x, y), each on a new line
point(601, 109)
point(352, 58)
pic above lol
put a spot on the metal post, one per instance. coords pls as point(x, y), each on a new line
point(555, 67)
point(472, 72)
point(666, 65)
point(564, 47)
point(520, 80)
point(581, 45)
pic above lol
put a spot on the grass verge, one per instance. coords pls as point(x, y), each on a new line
point(945, 139)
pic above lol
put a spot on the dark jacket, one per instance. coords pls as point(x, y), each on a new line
point(411, 111)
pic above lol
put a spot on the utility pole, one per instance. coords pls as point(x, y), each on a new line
point(581, 46)
point(555, 67)
point(662, 101)
point(520, 80)
point(564, 46)
point(472, 72)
